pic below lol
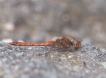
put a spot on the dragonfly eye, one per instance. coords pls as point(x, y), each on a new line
point(76, 44)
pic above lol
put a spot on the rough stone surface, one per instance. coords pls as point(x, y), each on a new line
point(46, 62)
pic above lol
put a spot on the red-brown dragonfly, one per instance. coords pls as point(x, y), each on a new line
point(61, 43)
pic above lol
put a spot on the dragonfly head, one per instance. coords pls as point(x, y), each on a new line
point(76, 44)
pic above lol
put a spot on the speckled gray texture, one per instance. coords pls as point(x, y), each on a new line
point(45, 62)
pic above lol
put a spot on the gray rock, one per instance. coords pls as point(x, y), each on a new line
point(44, 62)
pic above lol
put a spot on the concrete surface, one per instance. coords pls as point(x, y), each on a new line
point(45, 62)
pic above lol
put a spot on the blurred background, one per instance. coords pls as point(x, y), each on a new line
point(42, 20)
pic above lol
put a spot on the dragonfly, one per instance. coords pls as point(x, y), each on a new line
point(60, 43)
